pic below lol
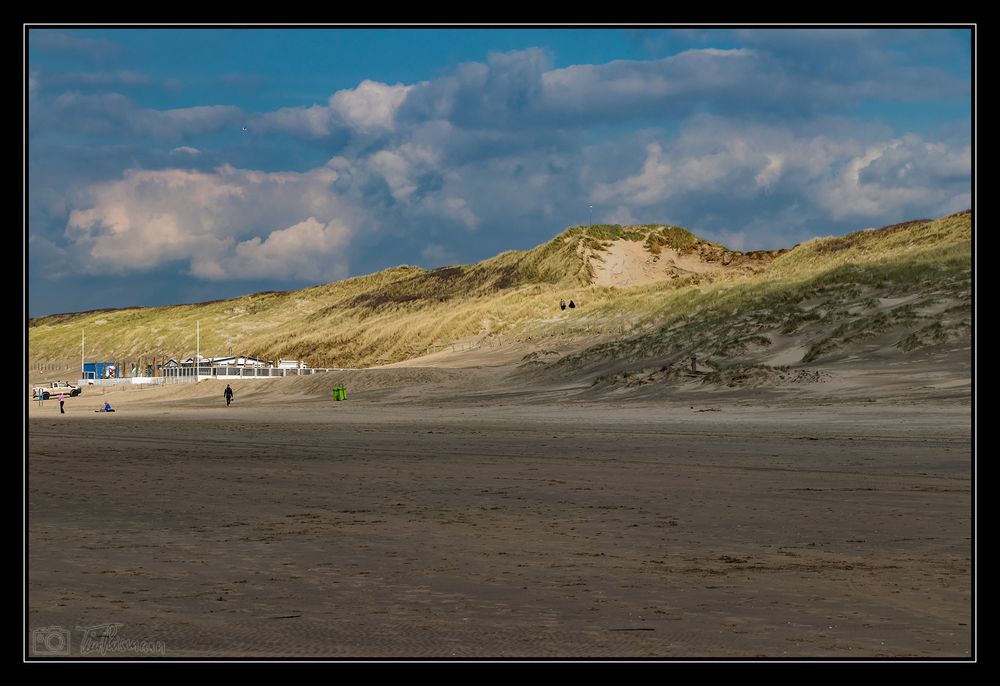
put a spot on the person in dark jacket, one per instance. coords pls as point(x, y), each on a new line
point(228, 393)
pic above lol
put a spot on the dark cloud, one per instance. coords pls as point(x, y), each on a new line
point(915, 163)
point(867, 63)
point(503, 92)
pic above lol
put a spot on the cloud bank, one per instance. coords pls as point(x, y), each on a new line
point(761, 145)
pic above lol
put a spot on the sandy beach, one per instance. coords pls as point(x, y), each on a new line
point(644, 343)
point(441, 513)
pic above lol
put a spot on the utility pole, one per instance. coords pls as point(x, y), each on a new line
point(591, 214)
point(197, 354)
point(83, 341)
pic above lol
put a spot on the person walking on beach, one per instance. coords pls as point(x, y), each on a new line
point(41, 395)
point(62, 399)
point(229, 394)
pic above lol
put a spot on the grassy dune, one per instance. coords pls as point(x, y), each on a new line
point(817, 291)
point(905, 287)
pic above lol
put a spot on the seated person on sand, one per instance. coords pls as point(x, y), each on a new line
point(572, 304)
point(106, 408)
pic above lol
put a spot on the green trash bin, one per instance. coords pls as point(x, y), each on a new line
point(340, 392)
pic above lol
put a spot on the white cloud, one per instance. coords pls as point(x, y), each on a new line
point(625, 89)
point(771, 172)
point(731, 180)
point(903, 174)
point(226, 223)
point(185, 150)
point(185, 121)
point(308, 250)
point(309, 122)
point(738, 179)
point(371, 106)
point(712, 155)
point(457, 209)
point(403, 167)
point(648, 186)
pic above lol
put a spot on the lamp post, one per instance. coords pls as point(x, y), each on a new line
point(591, 214)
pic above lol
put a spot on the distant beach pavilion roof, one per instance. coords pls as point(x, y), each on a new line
point(237, 361)
point(229, 361)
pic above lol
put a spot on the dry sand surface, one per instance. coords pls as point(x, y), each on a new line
point(627, 263)
point(447, 512)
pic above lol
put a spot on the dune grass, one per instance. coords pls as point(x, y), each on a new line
point(826, 296)
point(405, 312)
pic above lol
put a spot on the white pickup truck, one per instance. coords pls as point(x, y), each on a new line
point(54, 388)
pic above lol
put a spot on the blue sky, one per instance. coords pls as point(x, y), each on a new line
point(177, 165)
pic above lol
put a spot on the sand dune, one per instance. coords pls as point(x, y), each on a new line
point(628, 263)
